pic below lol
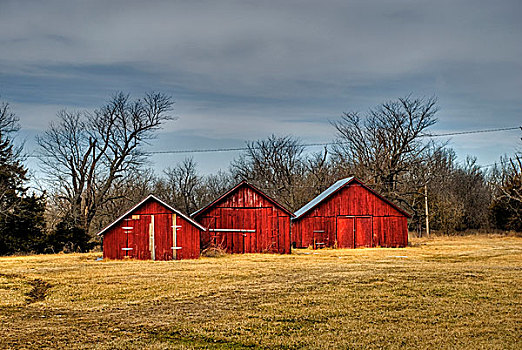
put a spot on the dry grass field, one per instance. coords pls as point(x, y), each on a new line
point(461, 292)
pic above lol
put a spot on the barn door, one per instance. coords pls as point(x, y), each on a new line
point(249, 238)
point(354, 231)
point(345, 232)
point(363, 232)
point(163, 236)
point(136, 230)
point(128, 241)
point(233, 240)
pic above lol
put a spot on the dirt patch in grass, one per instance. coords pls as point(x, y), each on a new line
point(38, 291)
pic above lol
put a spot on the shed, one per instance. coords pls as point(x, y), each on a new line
point(152, 230)
point(350, 215)
point(245, 220)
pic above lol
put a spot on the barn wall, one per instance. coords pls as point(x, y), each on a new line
point(389, 226)
point(188, 239)
point(245, 208)
point(138, 238)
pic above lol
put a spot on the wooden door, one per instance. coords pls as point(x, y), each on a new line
point(163, 236)
point(138, 238)
point(248, 223)
point(130, 231)
point(363, 232)
point(345, 232)
point(126, 247)
point(233, 240)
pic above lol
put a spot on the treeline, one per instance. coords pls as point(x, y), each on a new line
point(95, 169)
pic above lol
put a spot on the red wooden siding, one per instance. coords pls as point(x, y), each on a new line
point(130, 237)
point(248, 209)
point(352, 217)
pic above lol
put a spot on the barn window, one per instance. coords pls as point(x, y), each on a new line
point(135, 217)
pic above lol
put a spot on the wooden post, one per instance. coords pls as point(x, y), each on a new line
point(427, 212)
point(151, 239)
point(174, 238)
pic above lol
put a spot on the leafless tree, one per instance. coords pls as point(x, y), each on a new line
point(459, 195)
point(320, 173)
point(84, 153)
point(275, 165)
point(183, 182)
point(387, 143)
point(214, 185)
point(507, 184)
point(126, 192)
point(511, 178)
point(8, 120)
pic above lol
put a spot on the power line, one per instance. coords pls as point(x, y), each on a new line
point(211, 150)
point(472, 132)
point(236, 149)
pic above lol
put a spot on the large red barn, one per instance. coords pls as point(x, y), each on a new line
point(349, 215)
point(245, 220)
point(152, 230)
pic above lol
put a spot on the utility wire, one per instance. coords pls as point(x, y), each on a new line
point(472, 132)
point(326, 143)
point(235, 149)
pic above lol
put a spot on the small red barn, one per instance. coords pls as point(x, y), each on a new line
point(245, 220)
point(152, 230)
point(349, 215)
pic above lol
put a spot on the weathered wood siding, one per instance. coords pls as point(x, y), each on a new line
point(351, 217)
point(247, 209)
point(119, 242)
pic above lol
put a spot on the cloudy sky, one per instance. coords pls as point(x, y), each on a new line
point(242, 70)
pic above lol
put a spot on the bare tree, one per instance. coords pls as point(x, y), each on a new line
point(507, 202)
point(511, 178)
point(320, 173)
point(386, 144)
point(85, 153)
point(125, 193)
point(459, 195)
point(274, 164)
point(213, 186)
point(182, 183)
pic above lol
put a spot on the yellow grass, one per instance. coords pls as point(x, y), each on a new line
point(462, 292)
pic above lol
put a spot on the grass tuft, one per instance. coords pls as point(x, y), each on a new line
point(213, 252)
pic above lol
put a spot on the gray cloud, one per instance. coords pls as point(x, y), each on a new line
point(242, 69)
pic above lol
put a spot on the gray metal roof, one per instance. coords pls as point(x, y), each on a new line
point(322, 196)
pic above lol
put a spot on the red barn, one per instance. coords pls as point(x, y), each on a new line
point(245, 220)
point(152, 230)
point(349, 215)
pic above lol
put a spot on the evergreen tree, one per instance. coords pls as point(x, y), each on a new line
point(21, 216)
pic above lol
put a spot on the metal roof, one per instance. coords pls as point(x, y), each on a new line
point(334, 188)
point(322, 196)
point(151, 196)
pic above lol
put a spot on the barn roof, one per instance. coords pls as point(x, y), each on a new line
point(334, 188)
point(149, 197)
point(242, 183)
